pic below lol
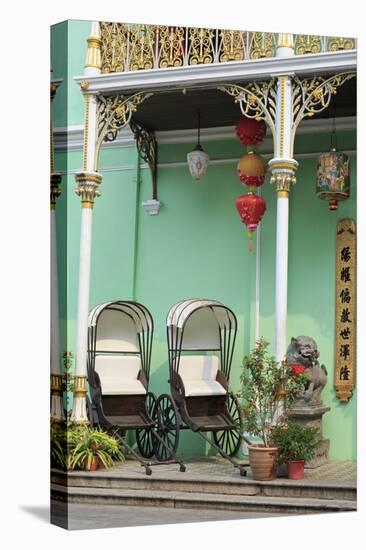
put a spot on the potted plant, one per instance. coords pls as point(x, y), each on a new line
point(58, 445)
point(268, 390)
point(89, 448)
point(296, 444)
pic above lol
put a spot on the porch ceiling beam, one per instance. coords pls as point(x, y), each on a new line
point(216, 73)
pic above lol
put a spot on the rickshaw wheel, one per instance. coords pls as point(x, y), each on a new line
point(144, 438)
point(229, 440)
point(166, 418)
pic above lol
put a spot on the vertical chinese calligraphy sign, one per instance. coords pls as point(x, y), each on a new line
point(345, 322)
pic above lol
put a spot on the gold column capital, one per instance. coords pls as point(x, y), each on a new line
point(80, 386)
point(283, 175)
point(56, 384)
point(87, 188)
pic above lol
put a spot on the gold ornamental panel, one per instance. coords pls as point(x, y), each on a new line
point(307, 43)
point(345, 311)
point(262, 45)
point(138, 47)
point(201, 46)
point(232, 46)
point(170, 41)
point(337, 43)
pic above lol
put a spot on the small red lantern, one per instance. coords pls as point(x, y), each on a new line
point(251, 208)
point(251, 131)
point(252, 169)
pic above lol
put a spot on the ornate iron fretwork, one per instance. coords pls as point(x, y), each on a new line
point(170, 42)
point(55, 190)
point(148, 150)
point(201, 46)
point(257, 100)
point(114, 47)
point(262, 45)
point(114, 113)
point(345, 311)
point(336, 43)
point(141, 42)
point(309, 96)
point(308, 43)
point(232, 46)
point(137, 47)
point(312, 96)
point(68, 380)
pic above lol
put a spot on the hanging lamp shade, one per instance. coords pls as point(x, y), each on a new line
point(333, 178)
point(197, 162)
point(250, 208)
point(252, 169)
point(198, 158)
point(250, 131)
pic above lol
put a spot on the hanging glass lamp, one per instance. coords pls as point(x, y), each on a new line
point(198, 158)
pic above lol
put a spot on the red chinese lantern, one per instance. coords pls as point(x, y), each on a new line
point(251, 208)
point(252, 169)
point(250, 131)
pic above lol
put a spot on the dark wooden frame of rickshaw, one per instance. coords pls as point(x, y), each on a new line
point(219, 419)
point(133, 402)
point(129, 403)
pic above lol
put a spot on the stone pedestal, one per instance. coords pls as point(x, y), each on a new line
point(312, 415)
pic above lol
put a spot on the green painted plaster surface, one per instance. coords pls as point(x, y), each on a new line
point(68, 52)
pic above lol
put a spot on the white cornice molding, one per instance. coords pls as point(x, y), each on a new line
point(218, 73)
point(71, 138)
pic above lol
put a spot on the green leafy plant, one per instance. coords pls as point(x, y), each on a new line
point(58, 446)
point(84, 443)
point(74, 446)
point(265, 384)
point(295, 442)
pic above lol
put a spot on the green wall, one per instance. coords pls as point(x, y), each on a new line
point(197, 247)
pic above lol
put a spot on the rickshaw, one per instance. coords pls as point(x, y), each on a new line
point(201, 337)
point(118, 365)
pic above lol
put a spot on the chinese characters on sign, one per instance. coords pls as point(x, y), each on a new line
point(345, 325)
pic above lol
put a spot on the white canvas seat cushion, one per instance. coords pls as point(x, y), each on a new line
point(198, 373)
point(118, 374)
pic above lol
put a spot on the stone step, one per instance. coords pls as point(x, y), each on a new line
point(198, 500)
point(188, 483)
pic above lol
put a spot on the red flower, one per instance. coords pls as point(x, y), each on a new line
point(297, 369)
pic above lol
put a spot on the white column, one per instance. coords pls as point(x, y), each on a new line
point(88, 181)
point(283, 168)
point(57, 408)
point(281, 277)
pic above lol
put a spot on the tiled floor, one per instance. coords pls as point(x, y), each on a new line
point(215, 467)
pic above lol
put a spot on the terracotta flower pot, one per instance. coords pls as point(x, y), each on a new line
point(263, 462)
point(295, 469)
point(93, 466)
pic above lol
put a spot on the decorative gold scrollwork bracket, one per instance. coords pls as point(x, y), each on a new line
point(148, 150)
point(257, 100)
point(312, 96)
point(309, 97)
point(114, 113)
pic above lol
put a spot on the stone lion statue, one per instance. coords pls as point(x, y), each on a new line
point(303, 351)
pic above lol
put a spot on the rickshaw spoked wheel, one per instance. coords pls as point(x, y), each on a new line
point(144, 437)
point(166, 418)
point(229, 440)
